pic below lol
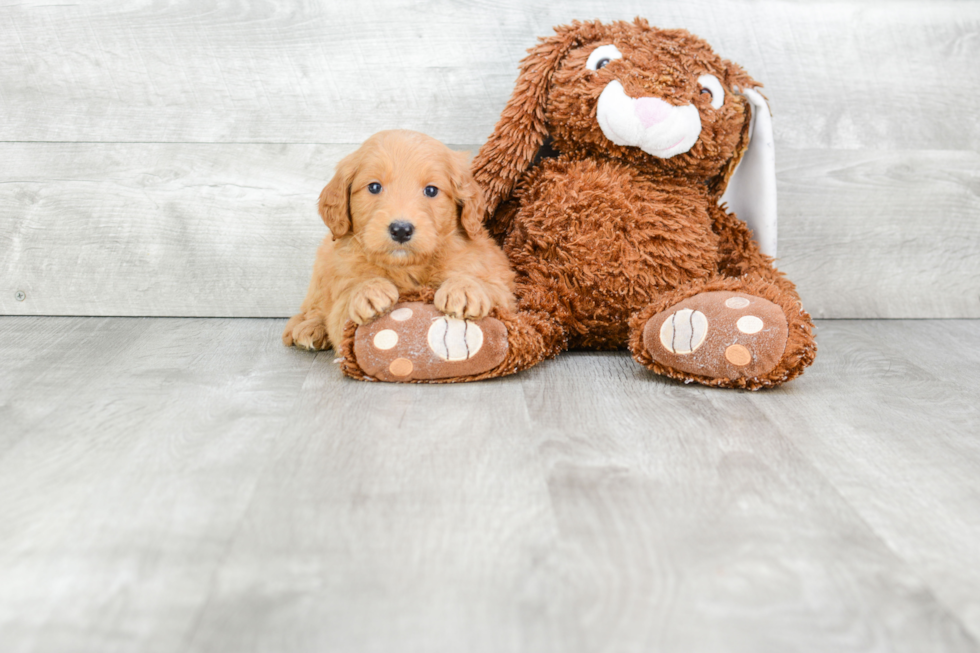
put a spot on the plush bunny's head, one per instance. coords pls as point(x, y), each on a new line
point(660, 100)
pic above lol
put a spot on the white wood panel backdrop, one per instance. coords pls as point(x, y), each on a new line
point(163, 159)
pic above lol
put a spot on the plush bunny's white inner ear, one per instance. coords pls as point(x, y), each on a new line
point(751, 191)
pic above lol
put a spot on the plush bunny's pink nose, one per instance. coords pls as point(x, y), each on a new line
point(651, 110)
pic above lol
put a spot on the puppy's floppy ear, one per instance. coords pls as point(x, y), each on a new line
point(522, 128)
point(334, 202)
point(469, 195)
point(751, 189)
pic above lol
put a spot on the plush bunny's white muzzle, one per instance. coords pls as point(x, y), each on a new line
point(649, 123)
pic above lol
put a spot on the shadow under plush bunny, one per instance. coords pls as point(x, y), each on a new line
point(606, 181)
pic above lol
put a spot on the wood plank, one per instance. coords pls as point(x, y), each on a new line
point(881, 233)
point(337, 72)
point(393, 518)
point(187, 484)
point(129, 451)
point(154, 229)
point(690, 522)
point(231, 230)
point(901, 445)
point(39, 355)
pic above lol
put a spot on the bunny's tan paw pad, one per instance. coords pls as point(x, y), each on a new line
point(415, 342)
point(718, 335)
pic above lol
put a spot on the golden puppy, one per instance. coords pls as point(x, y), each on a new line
point(404, 212)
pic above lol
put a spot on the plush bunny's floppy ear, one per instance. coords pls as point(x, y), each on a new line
point(334, 204)
point(522, 129)
point(751, 190)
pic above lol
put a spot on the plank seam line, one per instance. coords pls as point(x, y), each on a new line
point(233, 536)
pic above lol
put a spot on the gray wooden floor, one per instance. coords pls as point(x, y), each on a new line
point(190, 485)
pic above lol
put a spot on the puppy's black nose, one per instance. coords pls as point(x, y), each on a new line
point(401, 232)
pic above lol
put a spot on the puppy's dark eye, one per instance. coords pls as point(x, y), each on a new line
point(374, 188)
point(601, 64)
point(431, 191)
point(708, 91)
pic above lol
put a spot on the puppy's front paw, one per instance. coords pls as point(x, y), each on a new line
point(463, 298)
point(371, 299)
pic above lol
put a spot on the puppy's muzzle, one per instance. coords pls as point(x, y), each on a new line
point(401, 232)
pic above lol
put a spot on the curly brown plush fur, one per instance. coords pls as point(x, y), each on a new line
point(605, 238)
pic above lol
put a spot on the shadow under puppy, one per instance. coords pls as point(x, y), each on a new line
point(404, 214)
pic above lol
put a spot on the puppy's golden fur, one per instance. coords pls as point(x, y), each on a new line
point(361, 268)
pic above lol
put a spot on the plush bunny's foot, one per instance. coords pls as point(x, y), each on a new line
point(415, 342)
point(717, 336)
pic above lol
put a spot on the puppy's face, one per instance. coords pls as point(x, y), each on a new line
point(400, 196)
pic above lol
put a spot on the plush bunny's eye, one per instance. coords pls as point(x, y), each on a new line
point(711, 85)
point(602, 56)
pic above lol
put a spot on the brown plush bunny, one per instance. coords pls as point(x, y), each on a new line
point(607, 182)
